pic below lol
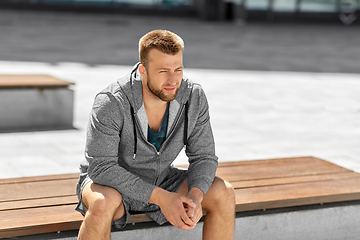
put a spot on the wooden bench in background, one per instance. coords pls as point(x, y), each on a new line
point(34, 101)
point(35, 205)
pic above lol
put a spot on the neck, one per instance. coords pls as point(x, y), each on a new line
point(155, 109)
point(151, 101)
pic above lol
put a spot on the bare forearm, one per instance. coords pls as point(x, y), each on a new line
point(157, 195)
point(196, 194)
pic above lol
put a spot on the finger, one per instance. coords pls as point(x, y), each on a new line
point(184, 226)
point(191, 212)
point(197, 215)
point(185, 218)
point(179, 223)
point(188, 201)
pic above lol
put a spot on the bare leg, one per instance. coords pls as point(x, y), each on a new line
point(219, 203)
point(104, 205)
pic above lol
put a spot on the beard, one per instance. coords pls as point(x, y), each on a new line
point(160, 93)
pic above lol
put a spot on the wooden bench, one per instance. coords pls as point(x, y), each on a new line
point(35, 101)
point(34, 205)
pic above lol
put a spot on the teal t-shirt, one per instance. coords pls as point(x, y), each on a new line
point(157, 138)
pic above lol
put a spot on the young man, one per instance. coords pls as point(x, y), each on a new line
point(138, 126)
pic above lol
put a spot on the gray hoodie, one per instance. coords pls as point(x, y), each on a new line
point(118, 154)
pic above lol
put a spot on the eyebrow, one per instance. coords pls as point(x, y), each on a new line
point(163, 68)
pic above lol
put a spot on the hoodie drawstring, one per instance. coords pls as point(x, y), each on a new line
point(134, 128)
point(186, 123)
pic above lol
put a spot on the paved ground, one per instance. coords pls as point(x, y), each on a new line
point(112, 39)
point(275, 90)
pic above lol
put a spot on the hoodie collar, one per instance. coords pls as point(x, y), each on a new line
point(131, 85)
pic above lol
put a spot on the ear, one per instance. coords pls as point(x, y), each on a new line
point(142, 70)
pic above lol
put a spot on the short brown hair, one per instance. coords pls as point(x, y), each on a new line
point(162, 40)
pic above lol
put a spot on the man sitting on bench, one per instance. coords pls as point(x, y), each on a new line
point(138, 126)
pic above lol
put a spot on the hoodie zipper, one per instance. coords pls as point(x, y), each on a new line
point(158, 153)
point(172, 130)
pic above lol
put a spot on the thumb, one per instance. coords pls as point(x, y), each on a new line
point(189, 202)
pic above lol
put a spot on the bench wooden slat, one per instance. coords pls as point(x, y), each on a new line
point(39, 220)
point(43, 189)
point(20, 216)
point(276, 169)
point(297, 194)
point(31, 81)
point(290, 180)
point(36, 203)
point(39, 178)
point(278, 161)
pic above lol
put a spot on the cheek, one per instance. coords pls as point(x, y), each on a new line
point(154, 79)
point(162, 79)
point(179, 78)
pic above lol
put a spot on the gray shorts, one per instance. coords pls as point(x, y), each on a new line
point(171, 183)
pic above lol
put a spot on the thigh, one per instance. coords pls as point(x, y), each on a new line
point(96, 197)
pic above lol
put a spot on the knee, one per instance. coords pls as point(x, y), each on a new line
point(226, 192)
point(222, 194)
point(103, 203)
point(106, 201)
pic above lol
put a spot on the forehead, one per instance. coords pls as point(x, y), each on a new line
point(159, 59)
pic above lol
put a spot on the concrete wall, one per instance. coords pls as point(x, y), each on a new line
point(32, 108)
point(321, 224)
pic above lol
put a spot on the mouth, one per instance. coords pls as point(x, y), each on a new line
point(170, 89)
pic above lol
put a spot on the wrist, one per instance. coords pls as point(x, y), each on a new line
point(196, 194)
point(156, 195)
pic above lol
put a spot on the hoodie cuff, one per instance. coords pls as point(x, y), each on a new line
point(143, 193)
point(199, 183)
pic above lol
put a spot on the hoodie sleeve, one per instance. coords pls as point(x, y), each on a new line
point(103, 137)
point(200, 148)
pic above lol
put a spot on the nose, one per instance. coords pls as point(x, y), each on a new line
point(172, 79)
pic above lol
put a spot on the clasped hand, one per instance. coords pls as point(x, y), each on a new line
point(182, 212)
